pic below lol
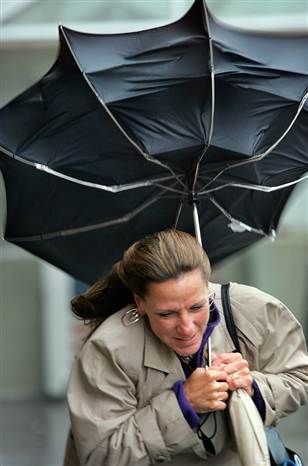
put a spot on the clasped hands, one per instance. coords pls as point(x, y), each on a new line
point(208, 389)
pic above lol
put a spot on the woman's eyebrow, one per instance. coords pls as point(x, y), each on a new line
point(199, 303)
point(166, 310)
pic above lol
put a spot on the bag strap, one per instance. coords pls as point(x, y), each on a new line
point(279, 454)
point(226, 305)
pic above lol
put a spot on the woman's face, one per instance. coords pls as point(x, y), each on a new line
point(178, 311)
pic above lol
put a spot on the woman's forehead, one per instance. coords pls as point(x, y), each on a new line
point(188, 284)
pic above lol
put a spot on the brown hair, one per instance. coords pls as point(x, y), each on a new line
point(155, 258)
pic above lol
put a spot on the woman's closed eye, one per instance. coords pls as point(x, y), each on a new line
point(166, 314)
point(197, 307)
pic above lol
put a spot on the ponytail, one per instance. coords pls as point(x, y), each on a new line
point(102, 299)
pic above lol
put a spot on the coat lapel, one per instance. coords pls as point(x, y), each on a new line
point(159, 356)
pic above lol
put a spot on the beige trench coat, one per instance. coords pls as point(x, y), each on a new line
point(124, 412)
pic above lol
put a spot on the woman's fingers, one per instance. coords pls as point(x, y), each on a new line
point(237, 368)
point(207, 390)
point(236, 381)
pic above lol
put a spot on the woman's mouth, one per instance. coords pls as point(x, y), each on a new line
point(187, 341)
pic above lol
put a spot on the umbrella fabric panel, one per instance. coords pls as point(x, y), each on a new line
point(286, 163)
point(244, 117)
point(163, 123)
point(260, 82)
point(55, 205)
point(138, 63)
point(79, 141)
point(146, 79)
point(88, 255)
point(259, 210)
point(72, 206)
point(292, 152)
point(266, 62)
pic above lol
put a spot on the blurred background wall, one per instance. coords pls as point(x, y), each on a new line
point(38, 335)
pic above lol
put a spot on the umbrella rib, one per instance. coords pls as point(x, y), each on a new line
point(257, 157)
point(147, 156)
point(111, 188)
point(85, 229)
point(168, 188)
point(254, 187)
point(233, 220)
point(178, 214)
point(212, 72)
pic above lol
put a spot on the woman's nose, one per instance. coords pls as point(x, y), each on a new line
point(185, 324)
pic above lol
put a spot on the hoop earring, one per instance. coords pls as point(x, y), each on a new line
point(131, 317)
point(211, 301)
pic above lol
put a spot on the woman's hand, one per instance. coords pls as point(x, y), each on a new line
point(237, 368)
point(207, 389)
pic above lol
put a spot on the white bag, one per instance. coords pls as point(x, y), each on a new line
point(248, 430)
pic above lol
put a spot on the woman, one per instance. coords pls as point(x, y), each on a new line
point(142, 390)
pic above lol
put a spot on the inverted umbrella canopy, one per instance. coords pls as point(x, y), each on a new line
point(127, 131)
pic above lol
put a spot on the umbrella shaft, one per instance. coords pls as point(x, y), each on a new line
point(198, 236)
point(197, 224)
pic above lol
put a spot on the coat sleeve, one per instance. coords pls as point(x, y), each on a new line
point(275, 348)
point(108, 426)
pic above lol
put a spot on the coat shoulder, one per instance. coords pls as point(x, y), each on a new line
point(255, 303)
point(116, 329)
point(117, 341)
point(258, 312)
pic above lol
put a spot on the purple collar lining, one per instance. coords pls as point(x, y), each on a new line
point(197, 360)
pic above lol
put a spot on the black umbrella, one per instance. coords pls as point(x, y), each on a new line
point(127, 131)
